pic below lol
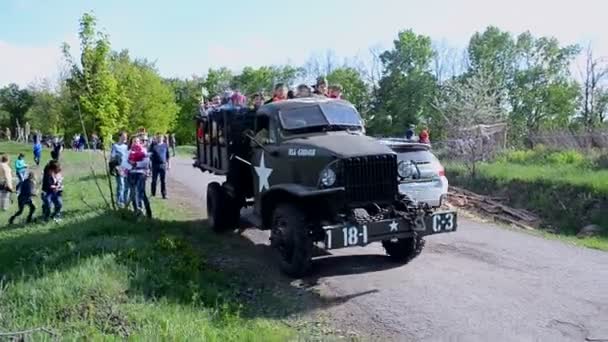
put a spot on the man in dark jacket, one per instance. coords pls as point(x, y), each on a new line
point(159, 156)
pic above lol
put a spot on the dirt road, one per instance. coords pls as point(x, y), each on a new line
point(481, 283)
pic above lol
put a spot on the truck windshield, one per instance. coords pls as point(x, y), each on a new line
point(321, 117)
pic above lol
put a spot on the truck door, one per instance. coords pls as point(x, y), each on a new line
point(265, 159)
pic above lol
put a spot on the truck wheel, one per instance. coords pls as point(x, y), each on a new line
point(290, 235)
point(217, 215)
point(404, 250)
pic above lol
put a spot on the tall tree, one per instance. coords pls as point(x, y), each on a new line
point(16, 102)
point(543, 93)
point(493, 53)
point(92, 83)
point(355, 89)
point(594, 92)
point(51, 111)
point(407, 87)
point(148, 102)
point(188, 96)
point(218, 80)
point(263, 79)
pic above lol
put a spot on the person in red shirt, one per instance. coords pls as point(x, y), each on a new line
point(424, 137)
point(280, 93)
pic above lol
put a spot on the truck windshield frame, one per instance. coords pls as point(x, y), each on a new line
point(320, 117)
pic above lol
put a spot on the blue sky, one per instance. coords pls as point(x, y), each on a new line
point(187, 37)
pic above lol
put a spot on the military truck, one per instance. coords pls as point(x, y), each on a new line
point(308, 174)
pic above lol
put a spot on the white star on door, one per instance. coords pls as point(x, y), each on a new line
point(394, 226)
point(263, 174)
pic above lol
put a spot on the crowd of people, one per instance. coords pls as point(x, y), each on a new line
point(26, 189)
point(280, 92)
point(132, 162)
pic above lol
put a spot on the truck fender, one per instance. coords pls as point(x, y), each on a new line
point(309, 197)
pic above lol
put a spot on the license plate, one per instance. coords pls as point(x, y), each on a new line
point(441, 222)
point(346, 236)
point(350, 235)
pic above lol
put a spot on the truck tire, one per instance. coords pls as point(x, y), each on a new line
point(403, 250)
point(217, 214)
point(291, 237)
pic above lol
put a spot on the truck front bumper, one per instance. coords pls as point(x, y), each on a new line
point(355, 234)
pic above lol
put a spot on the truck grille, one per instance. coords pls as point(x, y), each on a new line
point(370, 178)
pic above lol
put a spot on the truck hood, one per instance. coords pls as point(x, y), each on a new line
point(342, 144)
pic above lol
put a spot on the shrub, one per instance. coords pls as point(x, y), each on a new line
point(569, 157)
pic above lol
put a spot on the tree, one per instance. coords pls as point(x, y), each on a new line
point(51, 110)
point(355, 89)
point(16, 102)
point(92, 83)
point(217, 81)
point(542, 93)
point(493, 53)
point(148, 101)
point(188, 95)
point(467, 105)
point(264, 78)
point(594, 93)
point(407, 86)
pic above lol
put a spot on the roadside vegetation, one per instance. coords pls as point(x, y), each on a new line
point(568, 189)
point(101, 275)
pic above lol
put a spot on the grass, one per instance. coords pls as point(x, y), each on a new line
point(101, 275)
point(567, 189)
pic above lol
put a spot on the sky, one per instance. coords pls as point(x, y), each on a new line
point(186, 37)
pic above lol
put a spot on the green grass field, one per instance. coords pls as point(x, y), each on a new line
point(100, 275)
point(567, 189)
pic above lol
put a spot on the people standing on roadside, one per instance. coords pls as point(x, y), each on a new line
point(20, 169)
point(26, 194)
point(57, 147)
point(6, 182)
point(37, 150)
point(140, 164)
point(172, 143)
point(52, 191)
point(409, 133)
point(119, 158)
point(159, 156)
point(424, 137)
point(82, 142)
point(94, 141)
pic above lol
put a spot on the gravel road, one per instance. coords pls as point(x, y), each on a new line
point(481, 283)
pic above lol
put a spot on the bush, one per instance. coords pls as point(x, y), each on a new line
point(540, 156)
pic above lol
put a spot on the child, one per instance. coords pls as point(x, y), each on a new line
point(20, 168)
point(37, 152)
point(28, 189)
point(52, 188)
point(137, 153)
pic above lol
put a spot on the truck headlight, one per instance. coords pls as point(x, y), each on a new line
point(328, 177)
point(405, 169)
